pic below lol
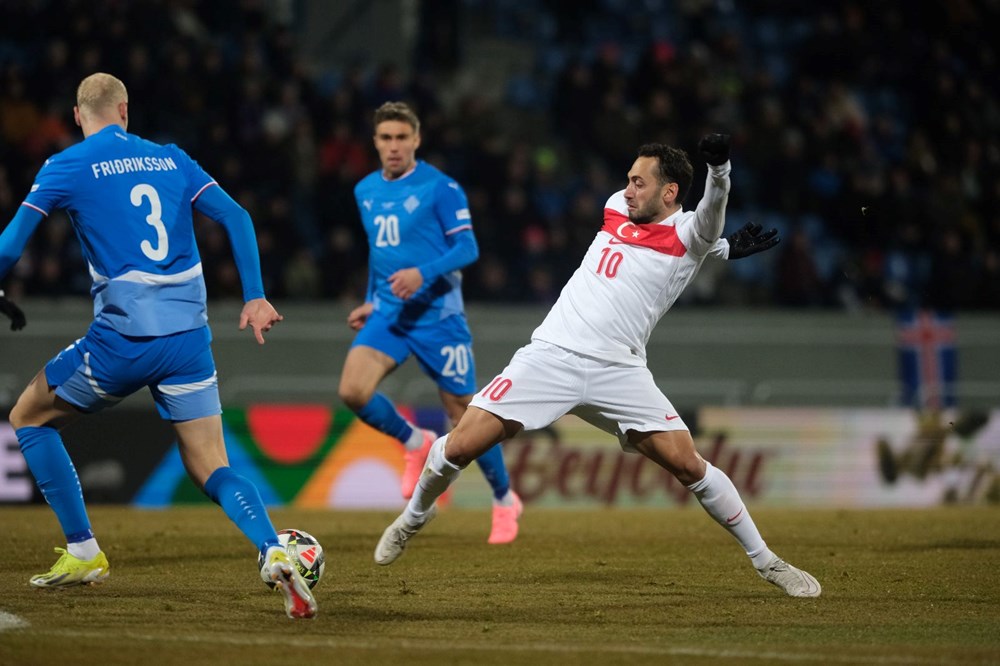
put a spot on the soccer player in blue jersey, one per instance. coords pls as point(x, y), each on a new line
point(130, 202)
point(419, 238)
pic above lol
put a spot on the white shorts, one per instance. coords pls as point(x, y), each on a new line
point(544, 381)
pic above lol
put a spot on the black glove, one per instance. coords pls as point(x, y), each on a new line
point(7, 307)
point(714, 148)
point(749, 240)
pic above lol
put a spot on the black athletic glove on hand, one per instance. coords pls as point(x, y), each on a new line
point(714, 148)
point(749, 240)
point(17, 320)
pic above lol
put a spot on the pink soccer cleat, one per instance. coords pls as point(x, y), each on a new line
point(504, 528)
point(414, 464)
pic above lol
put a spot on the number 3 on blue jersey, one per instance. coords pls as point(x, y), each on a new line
point(144, 191)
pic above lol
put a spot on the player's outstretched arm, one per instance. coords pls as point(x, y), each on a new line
point(714, 149)
point(710, 214)
point(260, 316)
point(751, 239)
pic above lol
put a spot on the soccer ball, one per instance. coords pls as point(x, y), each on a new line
point(305, 553)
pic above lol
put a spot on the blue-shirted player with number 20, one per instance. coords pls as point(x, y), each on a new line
point(419, 237)
point(130, 203)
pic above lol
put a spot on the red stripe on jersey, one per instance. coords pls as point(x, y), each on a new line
point(205, 187)
point(660, 237)
point(34, 207)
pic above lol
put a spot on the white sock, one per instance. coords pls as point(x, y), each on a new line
point(437, 476)
point(84, 550)
point(719, 497)
point(506, 500)
point(415, 440)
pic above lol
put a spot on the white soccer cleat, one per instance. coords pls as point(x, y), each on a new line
point(393, 541)
point(795, 582)
point(300, 604)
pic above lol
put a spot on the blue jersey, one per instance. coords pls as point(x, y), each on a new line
point(130, 203)
point(410, 221)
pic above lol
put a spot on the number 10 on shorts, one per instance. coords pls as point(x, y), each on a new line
point(497, 389)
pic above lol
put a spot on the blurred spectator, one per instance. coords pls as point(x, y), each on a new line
point(829, 113)
point(796, 279)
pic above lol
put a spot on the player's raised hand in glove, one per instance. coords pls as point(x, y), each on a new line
point(714, 148)
point(748, 240)
point(17, 318)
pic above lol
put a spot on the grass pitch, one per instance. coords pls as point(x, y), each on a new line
point(578, 587)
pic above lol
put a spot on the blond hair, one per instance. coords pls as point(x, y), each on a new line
point(99, 93)
point(397, 111)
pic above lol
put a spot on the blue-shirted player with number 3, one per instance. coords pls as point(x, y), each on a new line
point(419, 237)
point(130, 203)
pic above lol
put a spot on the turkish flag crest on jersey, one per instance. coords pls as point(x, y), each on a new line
point(660, 237)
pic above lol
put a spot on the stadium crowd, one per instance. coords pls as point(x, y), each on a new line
point(868, 134)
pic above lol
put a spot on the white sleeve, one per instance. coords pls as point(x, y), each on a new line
point(710, 215)
point(616, 202)
point(720, 250)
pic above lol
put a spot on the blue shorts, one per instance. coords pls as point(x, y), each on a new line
point(104, 366)
point(443, 350)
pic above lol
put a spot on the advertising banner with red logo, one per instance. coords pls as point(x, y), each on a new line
point(315, 456)
point(850, 458)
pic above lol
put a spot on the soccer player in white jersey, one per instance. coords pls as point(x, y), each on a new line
point(130, 202)
point(588, 357)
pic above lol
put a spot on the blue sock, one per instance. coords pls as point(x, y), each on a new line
point(241, 501)
point(493, 468)
point(56, 477)
point(381, 414)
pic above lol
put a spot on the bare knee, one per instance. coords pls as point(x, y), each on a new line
point(690, 470)
point(17, 417)
point(353, 394)
point(34, 407)
point(476, 433)
point(461, 453)
point(673, 451)
point(364, 369)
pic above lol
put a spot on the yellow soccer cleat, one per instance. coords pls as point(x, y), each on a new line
point(299, 601)
point(69, 570)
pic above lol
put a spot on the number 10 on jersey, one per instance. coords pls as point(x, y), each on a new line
point(610, 261)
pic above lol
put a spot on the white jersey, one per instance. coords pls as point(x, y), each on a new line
point(633, 273)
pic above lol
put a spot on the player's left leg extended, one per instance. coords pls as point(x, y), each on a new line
point(507, 507)
point(444, 352)
point(35, 418)
point(674, 451)
point(472, 437)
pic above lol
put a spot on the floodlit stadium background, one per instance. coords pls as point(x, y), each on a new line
point(882, 176)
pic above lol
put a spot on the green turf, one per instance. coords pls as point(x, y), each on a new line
point(578, 587)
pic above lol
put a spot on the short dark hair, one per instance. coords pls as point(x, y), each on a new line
point(397, 111)
point(674, 166)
